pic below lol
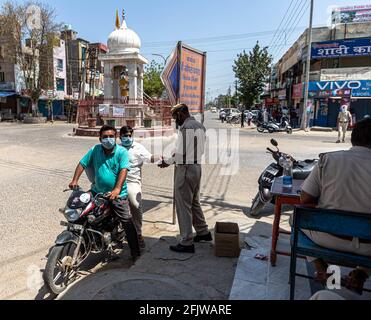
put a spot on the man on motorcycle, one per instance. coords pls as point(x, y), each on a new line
point(109, 164)
point(341, 181)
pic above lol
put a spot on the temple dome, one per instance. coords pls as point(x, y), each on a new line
point(123, 40)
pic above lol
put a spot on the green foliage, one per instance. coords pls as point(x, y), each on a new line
point(152, 83)
point(252, 71)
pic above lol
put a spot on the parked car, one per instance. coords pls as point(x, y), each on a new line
point(213, 110)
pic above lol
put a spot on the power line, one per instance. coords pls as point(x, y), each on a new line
point(288, 24)
point(288, 19)
point(298, 9)
point(298, 21)
point(283, 19)
point(230, 37)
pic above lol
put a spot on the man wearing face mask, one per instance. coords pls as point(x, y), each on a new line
point(109, 164)
point(138, 156)
point(187, 159)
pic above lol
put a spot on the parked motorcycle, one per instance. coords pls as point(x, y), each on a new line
point(234, 120)
point(91, 228)
point(301, 170)
point(273, 126)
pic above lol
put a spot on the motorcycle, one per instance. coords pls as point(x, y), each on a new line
point(301, 170)
point(273, 126)
point(234, 120)
point(91, 228)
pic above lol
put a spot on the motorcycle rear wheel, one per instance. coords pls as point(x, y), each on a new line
point(289, 131)
point(260, 129)
point(257, 206)
point(56, 279)
point(270, 130)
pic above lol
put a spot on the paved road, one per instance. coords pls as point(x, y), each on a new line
point(37, 162)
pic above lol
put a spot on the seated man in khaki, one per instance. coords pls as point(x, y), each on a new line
point(341, 181)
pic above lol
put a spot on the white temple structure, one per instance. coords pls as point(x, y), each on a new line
point(123, 72)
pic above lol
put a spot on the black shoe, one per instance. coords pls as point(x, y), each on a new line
point(183, 249)
point(208, 238)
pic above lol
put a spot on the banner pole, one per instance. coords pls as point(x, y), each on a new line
point(179, 52)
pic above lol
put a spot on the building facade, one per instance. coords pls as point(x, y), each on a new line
point(340, 73)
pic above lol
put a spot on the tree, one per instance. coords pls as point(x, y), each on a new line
point(252, 71)
point(29, 44)
point(152, 82)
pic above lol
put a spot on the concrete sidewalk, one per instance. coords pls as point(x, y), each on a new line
point(161, 274)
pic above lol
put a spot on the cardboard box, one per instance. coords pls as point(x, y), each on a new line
point(227, 240)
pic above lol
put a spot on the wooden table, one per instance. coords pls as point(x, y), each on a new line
point(290, 196)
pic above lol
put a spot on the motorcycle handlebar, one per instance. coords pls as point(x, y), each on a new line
point(270, 150)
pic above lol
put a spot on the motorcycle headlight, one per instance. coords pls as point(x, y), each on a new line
point(72, 215)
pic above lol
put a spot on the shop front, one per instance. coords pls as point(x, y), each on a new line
point(329, 96)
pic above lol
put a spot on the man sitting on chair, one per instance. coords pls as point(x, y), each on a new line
point(341, 181)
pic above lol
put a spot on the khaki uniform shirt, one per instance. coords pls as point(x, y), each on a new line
point(342, 180)
point(190, 145)
point(344, 116)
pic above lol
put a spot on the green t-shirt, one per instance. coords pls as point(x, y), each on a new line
point(106, 168)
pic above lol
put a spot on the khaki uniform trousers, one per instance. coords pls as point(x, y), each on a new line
point(342, 130)
point(187, 202)
point(329, 241)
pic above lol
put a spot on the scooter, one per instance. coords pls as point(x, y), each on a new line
point(273, 127)
point(301, 170)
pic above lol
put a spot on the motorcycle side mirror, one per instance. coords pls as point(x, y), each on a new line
point(274, 143)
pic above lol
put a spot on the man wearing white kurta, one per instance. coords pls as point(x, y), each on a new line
point(138, 156)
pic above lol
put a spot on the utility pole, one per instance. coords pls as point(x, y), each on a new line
point(305, 120)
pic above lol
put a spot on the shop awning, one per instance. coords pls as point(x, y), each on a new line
point(4, 94)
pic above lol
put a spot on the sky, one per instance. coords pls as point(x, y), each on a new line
point(223, 28)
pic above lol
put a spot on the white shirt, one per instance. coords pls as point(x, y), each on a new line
point(138, 156)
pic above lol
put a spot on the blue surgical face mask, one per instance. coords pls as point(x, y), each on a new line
point(108, 143)
point(127, 141)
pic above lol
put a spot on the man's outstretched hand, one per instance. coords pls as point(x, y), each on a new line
point(163, 164)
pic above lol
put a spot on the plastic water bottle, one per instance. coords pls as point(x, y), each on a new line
point(287, 172)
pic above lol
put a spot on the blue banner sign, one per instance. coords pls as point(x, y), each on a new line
point(358, 88)
point(342, 48)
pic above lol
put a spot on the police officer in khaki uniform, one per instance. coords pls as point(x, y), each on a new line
point(341, 181)
point(344, 120)
point(187, 159)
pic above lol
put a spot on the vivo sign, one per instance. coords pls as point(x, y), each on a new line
point(361, 88)
point(335, 85)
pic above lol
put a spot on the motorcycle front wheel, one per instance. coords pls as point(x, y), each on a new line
point(58, 274)
point(257, 206)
